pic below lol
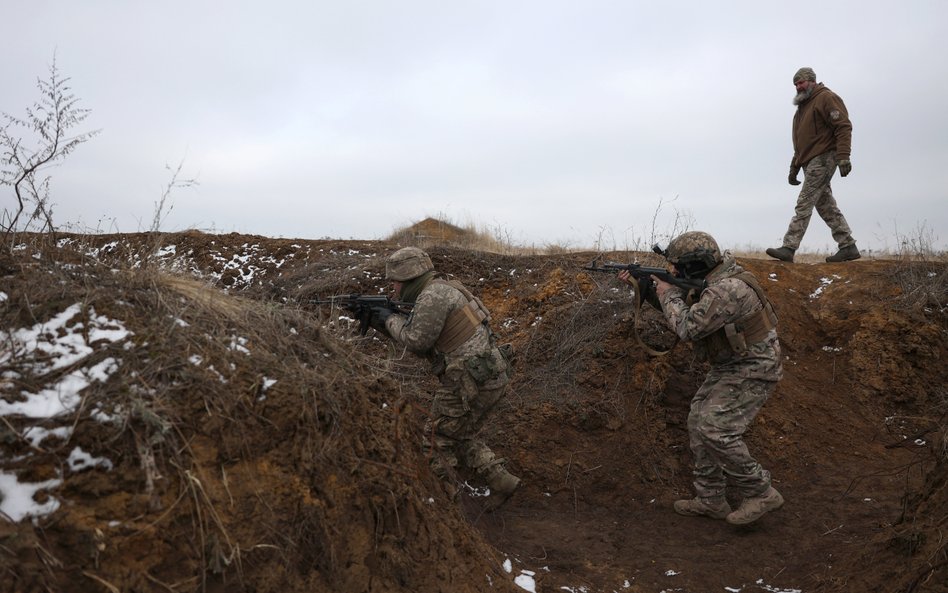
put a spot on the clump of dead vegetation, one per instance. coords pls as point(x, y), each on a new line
point(924, 285)
point(250, 449)
point(922, 273)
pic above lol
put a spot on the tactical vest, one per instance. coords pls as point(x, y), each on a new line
point(461, 323)
point(734, 338)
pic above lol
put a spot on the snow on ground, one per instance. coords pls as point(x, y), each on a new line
point(67, 340)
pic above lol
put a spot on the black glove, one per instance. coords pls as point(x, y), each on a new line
point(648, 293)
point(792, 178)
point(379, 315)
point(845, 167)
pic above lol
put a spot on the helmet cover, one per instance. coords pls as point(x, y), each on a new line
point(407, 263)
point(694, 247)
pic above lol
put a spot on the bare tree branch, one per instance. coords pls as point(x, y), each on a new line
point(50, 120)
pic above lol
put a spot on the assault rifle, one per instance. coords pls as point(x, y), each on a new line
point(644, 273)
point(365, 307)
point(645, 289)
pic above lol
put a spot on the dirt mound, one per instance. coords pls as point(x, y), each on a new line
point(434, 231)
point(190, 422)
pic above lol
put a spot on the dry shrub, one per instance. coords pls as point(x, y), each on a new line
point(924, 284)
point(921, 271)
point(324, 278)
point(223, 478)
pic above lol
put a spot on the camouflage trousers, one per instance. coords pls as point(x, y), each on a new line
point(817, 193)
point(721, 411)
point(459, 410)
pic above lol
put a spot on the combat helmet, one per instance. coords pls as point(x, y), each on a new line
point(694, 253)
point(407, 263)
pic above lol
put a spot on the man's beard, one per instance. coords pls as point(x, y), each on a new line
point(802, 96)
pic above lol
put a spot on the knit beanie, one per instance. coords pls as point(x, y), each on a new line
point(804, 73)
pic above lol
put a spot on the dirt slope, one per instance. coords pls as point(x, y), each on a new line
point(256, 445)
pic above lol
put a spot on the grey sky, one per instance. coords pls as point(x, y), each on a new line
point(554, 122)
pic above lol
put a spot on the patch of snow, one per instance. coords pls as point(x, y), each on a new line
point(17, 500)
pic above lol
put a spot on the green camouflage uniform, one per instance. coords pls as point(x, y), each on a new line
point(736, 387)
point(473, 378)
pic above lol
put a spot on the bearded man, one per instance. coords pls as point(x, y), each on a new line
point(822, 138)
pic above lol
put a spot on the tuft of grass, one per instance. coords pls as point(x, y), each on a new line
point(921, 271)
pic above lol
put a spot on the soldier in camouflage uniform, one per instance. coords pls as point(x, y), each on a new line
point(822, 137)
point(733, 326)
point(450, 327)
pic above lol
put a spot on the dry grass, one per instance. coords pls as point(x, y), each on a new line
point(921, 272)
point(189, 407)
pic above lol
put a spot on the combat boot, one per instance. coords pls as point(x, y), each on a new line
point(847, 253)
point(755, 507)
point(502, 485)
point(781, 253)
point(694, 507)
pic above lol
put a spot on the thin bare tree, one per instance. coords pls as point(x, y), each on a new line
point(49, 125)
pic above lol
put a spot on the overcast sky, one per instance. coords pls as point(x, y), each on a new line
point(550, 122)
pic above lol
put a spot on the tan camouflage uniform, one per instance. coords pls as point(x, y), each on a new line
point(473, 379)
point(822, 134)
point(735, 389)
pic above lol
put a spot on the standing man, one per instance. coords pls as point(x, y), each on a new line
point(450, 327)
point(822, 137)
point(733, 327)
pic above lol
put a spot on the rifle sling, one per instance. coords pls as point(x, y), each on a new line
point(635, 327)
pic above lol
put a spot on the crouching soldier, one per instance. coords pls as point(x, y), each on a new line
point(733, 326)
point(450, 327)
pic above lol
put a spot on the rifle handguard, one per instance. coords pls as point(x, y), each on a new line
point(363, 307)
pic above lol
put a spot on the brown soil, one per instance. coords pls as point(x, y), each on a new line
point(318, 483)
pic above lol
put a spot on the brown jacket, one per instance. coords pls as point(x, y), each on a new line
point(821, 124)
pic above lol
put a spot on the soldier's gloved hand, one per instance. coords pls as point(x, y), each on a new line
point(845, 167)
point(648, 292)
point(379, 316)
point(792, 178)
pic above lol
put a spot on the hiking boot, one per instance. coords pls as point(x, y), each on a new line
point(781, 253)
point(502, 486)
point(703, 506)
point(755, 507)
point(847, 253)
